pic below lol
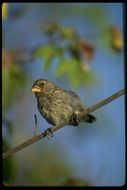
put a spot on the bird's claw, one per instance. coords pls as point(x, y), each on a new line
point(48, 132)
point(74, 120)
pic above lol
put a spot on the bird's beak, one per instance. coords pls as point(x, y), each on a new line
point(36, 89)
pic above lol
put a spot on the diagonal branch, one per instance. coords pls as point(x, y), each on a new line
point(45, 133)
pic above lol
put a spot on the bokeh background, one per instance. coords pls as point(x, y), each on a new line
point(78, 46)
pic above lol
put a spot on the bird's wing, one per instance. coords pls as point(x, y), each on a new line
point(76, 102)
point(68, 98)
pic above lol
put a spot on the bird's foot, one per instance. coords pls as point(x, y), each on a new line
point(74, 120)
point(48, 132)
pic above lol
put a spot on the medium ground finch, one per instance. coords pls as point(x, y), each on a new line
point(58, 106)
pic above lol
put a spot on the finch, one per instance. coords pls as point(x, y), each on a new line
point(58, 106)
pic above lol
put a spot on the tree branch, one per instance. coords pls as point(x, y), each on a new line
point(53, 129)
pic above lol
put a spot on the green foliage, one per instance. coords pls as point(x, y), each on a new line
point(65, 50)
point(13, 79)
point(62, 68)
point(72, 70)
point(9, 167)
point(67, 32)
point(73, 53)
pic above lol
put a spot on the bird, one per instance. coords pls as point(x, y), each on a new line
point(59, 106)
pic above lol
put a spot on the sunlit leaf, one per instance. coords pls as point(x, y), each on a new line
point(4, 10)
point(44, 51)
point(116, 39)
point(67, 32)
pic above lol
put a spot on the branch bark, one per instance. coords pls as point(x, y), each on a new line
point(52, 130)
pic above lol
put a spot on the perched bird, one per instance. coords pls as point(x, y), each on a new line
point(58, 106)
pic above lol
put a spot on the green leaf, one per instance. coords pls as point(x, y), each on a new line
point(57, 53)
point(67, 32)
point(73, 72)
point(61, 68)
point(13, 78)
point(44, 51)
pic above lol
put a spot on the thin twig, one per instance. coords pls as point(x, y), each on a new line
point(44, 134)
point(35, 117)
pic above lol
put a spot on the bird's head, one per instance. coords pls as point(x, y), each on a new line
point(42, 86)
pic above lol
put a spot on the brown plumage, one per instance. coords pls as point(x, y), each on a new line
point(59, 106)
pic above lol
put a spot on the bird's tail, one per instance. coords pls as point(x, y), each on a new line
point(89, 118)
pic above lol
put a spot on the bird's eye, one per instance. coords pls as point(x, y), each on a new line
point(43, 83)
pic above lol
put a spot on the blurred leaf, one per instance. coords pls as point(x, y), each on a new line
point(13, 79)
point(58, 54)
point(87, 49)
point(74, 49)
point(59, 51)
point(74, 72)
point(75, 182)
point(9, 167)
point(61, 68)
point(67, 32)
point(52, 28)
point(47, 62)
point(4, 10)
point(44, 51)
point(111, 38)
point(116, 39)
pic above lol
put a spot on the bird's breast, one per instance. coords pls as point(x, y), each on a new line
point(55, 108)
point(45, 108)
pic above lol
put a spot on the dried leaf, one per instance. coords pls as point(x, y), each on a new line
point(117, 41)
point(86, 48)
